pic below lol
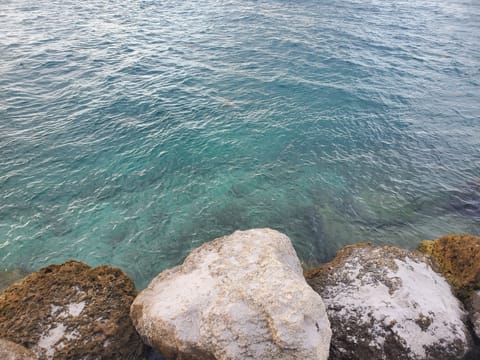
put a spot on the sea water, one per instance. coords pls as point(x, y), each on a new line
point(132, 132)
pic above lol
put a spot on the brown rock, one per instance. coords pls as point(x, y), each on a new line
point(458, 258)
point(388, 303)
point(11, 351)
point(72, 311)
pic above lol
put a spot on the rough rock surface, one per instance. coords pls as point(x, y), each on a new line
point(458, 258)
point(11, 351)
point(72, 311)
point(388, 303)
point(242, 296)
point(473, 307)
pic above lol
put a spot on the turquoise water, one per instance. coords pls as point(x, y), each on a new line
point(133, 131)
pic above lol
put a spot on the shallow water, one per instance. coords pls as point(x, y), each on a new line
point(133, 131)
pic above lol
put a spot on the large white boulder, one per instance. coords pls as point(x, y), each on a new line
point(388, 303)
point(242, 296)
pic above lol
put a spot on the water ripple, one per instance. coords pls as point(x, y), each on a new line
point(132, 133)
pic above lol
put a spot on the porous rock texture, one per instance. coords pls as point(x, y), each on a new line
point(388, 303)
point(72, 311)
point(458, 258)
point(242, 296)
point(11, 351)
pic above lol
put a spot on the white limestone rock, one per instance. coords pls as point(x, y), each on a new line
point(388, 303)
point(242, 296)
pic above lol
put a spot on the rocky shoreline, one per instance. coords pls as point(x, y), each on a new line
point(246, 296)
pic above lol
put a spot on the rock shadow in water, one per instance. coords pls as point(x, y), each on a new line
point(466, 200)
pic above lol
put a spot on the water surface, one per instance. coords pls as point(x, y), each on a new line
point(133, 131)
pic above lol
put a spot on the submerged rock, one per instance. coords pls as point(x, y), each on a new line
point(9, 277)
point(242, 296)
point(72, 311)
point(388, 303)
point(11, 351)
point(466, 200)
point(458, 258)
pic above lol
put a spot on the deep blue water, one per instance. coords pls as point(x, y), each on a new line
point(133, 131)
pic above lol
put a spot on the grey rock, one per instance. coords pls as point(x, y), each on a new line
point(474, 311)
point(388, 303)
